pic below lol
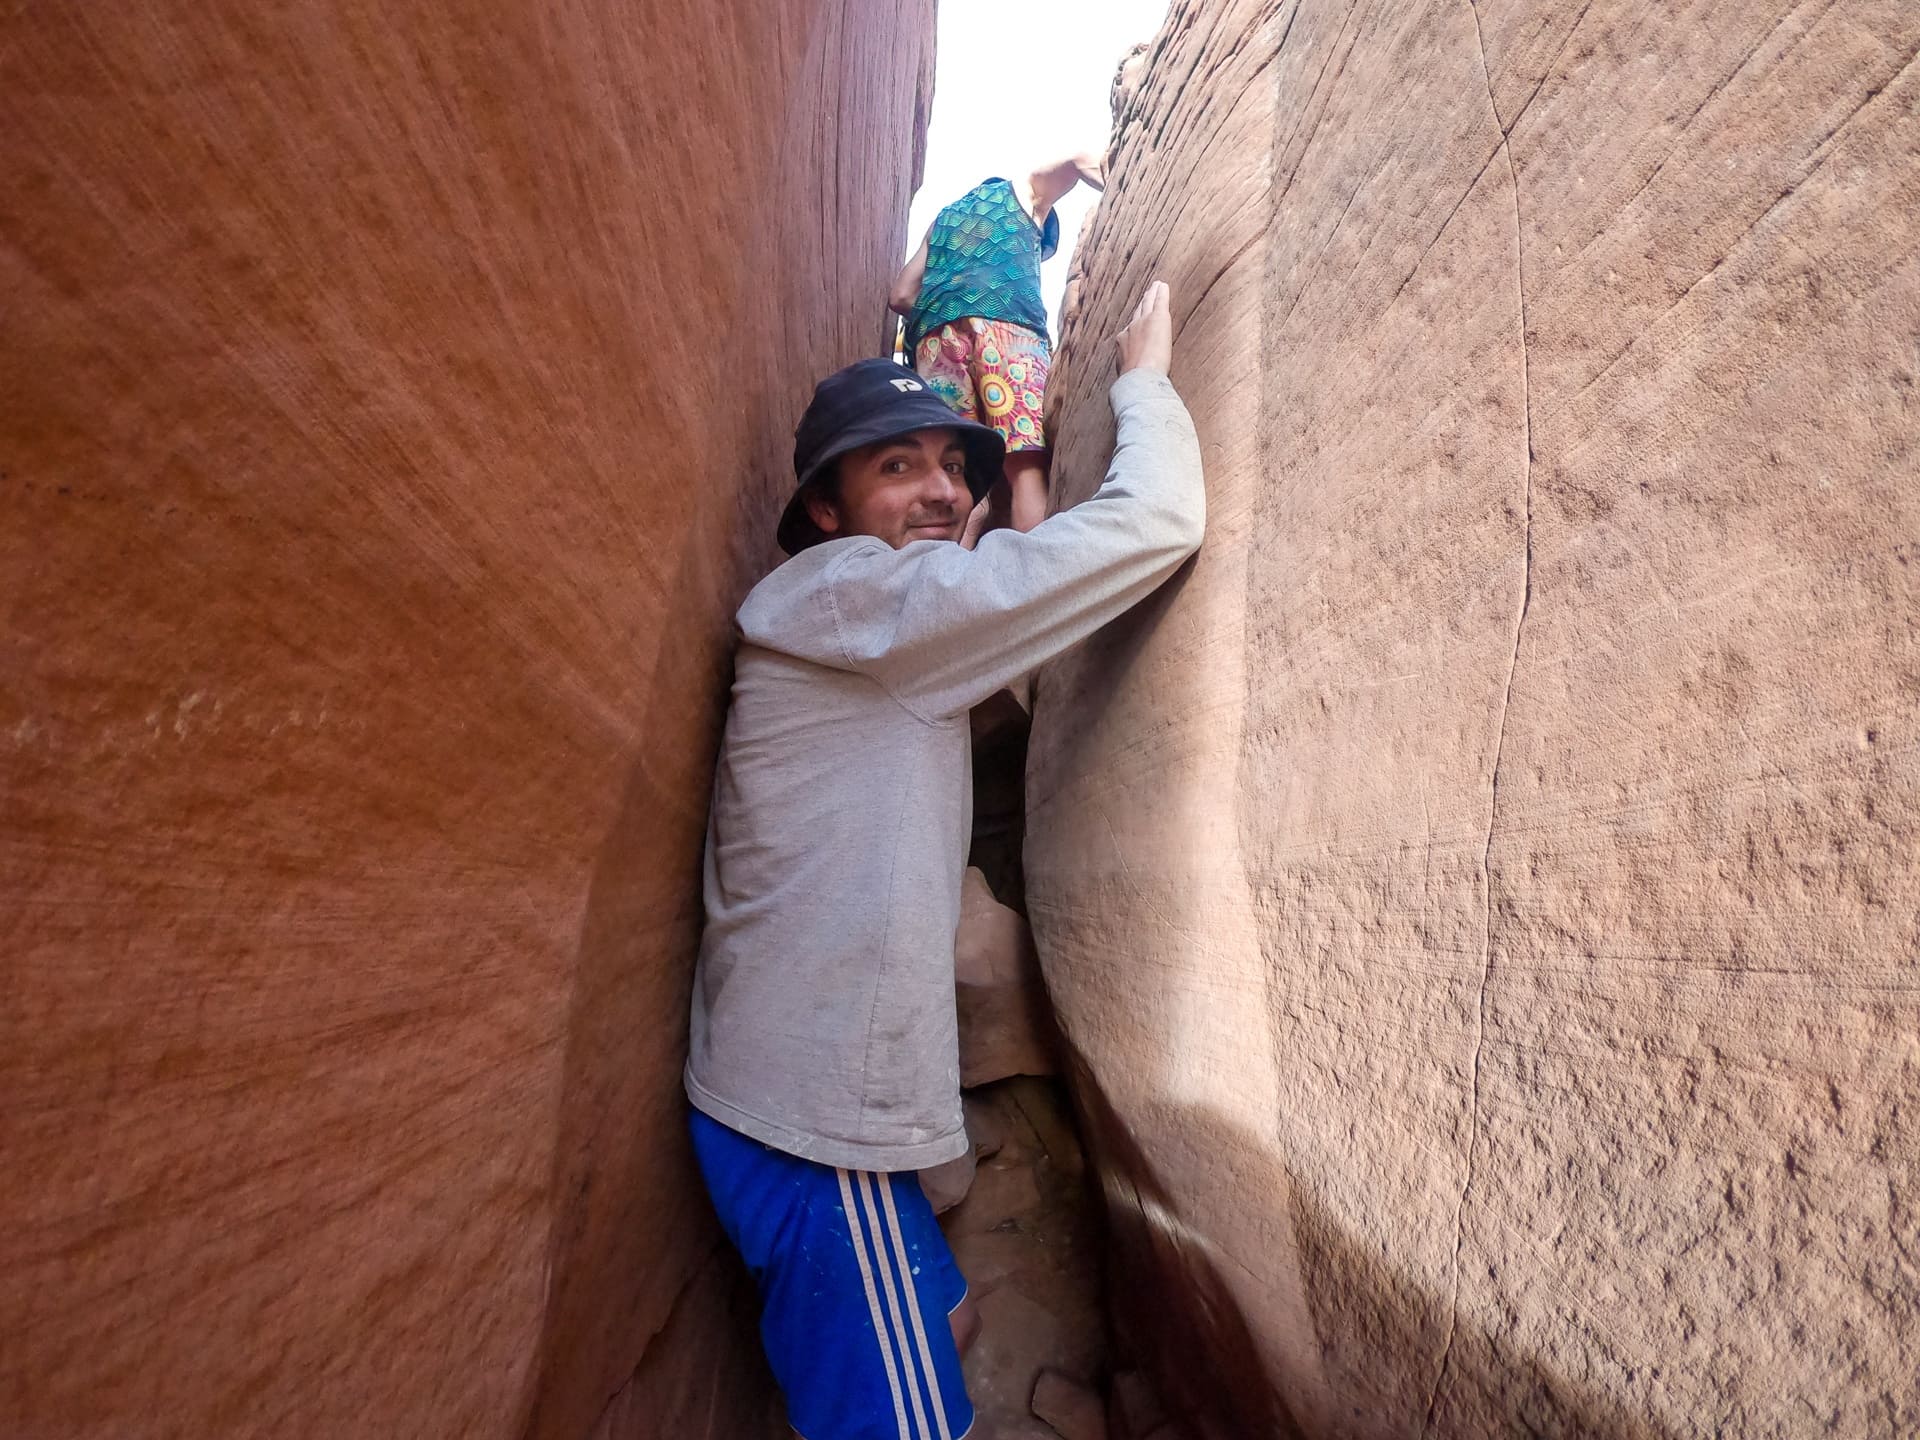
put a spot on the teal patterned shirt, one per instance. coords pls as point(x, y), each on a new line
point(983, 260)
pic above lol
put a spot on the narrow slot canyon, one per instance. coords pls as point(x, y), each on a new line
point(1447, 964)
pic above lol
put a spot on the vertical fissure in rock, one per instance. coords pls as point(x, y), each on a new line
point(1019, 1209)
point(1052, 1197)
point(1445, 1360)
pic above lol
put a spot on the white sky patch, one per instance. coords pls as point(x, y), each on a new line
point(1019, 83)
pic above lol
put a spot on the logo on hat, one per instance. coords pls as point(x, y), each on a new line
point(904, 386)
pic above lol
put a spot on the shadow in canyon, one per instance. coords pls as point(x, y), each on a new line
point(637, 1261)
point(1174, 1315)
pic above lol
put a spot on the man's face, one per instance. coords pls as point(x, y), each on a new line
point(906, 488)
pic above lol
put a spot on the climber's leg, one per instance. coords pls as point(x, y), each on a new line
point(1009, 366)
point(996, 373)
point(945, 359)
point(855, 1280)
point(1027, 487)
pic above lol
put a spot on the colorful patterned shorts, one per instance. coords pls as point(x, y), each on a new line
point(991, 371)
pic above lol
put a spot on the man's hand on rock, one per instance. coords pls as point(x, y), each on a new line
point(1147, 342)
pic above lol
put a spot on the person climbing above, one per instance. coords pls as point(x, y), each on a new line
point(823, 1063)
point(976, 326)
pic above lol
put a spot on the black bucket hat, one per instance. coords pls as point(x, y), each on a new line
point(875, 400)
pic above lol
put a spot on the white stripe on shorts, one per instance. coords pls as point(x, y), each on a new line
point(873, 1305)
point(913, 1306)
point(887, 1288)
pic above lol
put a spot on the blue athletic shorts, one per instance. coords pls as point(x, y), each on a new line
point(856, 1284)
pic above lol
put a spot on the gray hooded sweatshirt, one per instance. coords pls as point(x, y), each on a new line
point(823, 1008)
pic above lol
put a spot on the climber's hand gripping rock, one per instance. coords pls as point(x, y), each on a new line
point(1147, 341)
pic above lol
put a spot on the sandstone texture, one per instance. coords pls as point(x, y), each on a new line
point(1026, 1237)
point(1480, 893)
point(1071, 1408)
point(1005, 1024)
point(394, 405)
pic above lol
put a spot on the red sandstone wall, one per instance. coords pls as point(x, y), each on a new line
point(1483, 887)
point(396, 403)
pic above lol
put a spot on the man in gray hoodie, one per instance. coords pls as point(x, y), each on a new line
point(824, 1057)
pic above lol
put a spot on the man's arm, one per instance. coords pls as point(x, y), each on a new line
point(943, 628)
point(906, 285)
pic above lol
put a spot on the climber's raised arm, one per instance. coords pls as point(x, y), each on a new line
point(906, 285)
point(1048, 183)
